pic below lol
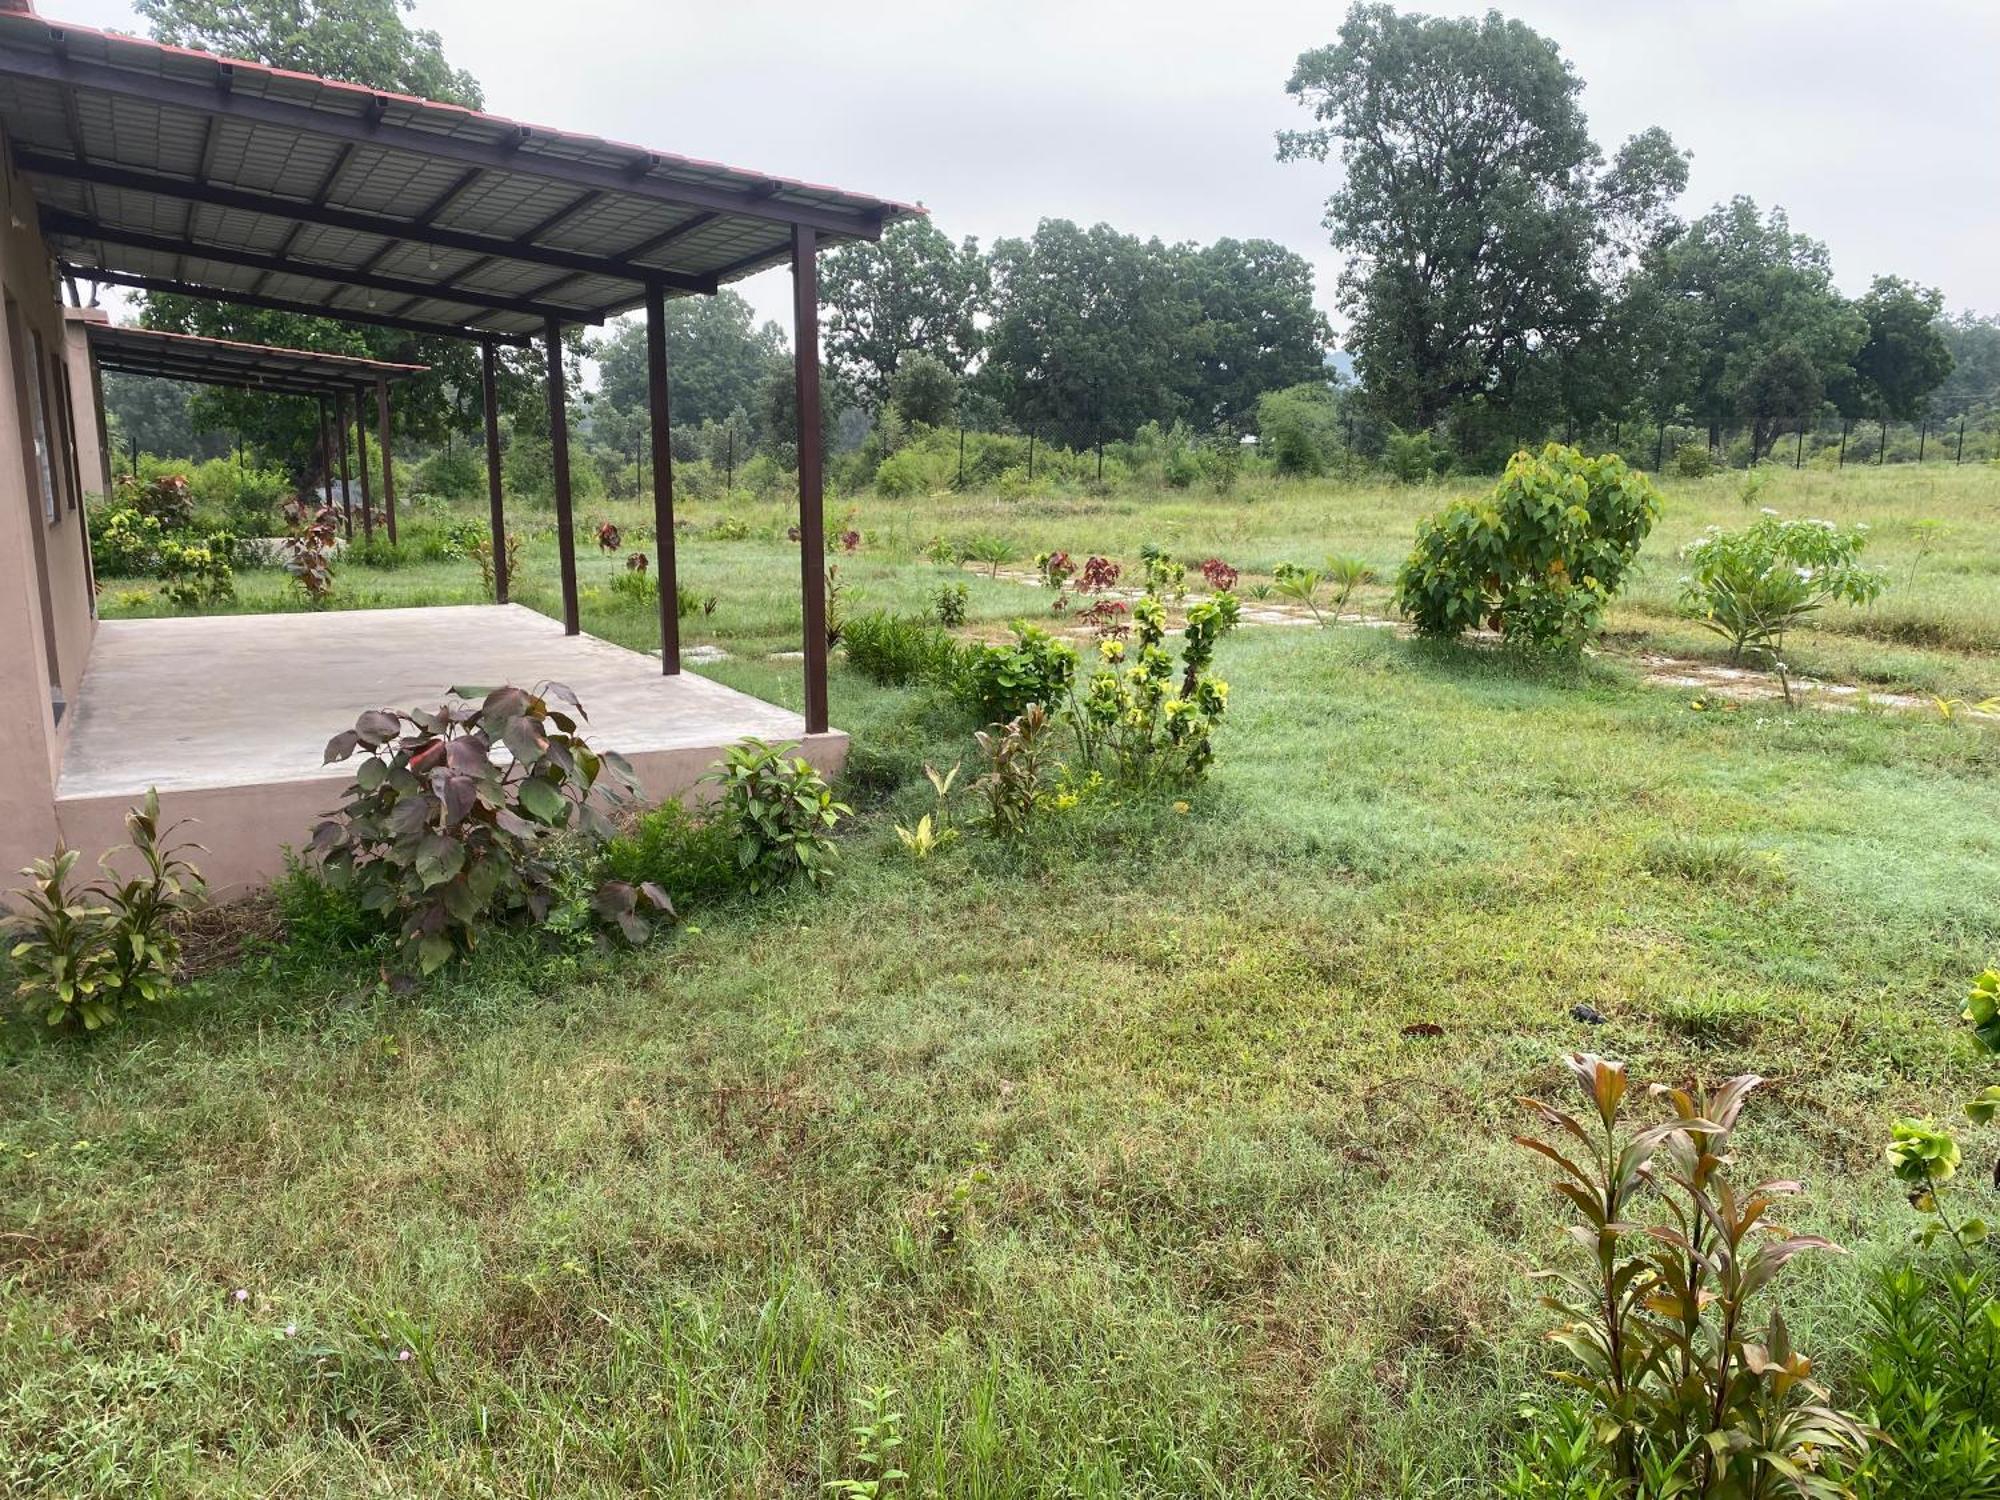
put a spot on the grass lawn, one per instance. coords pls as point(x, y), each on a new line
point(1113, 1156)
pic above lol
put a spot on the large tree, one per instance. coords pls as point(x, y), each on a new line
point(1974, 382)
point(1727, 295)
point(912, 290)
point(1481, 224)
point(1261, 331)
point(1095, 332)
point(718, 360)
point(1905, 357)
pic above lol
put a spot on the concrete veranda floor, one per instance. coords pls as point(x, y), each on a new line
point(229, 715)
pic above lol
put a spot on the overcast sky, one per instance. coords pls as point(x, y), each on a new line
point(1877, 127)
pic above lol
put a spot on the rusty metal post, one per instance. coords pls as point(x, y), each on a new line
point(346, 478)
point(559, 463)
point(495, 505)
point(812, 522)
point(361, 454)
point(388, 466)
point(663, 479)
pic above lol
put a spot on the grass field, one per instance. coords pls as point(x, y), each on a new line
point(1113, 1156)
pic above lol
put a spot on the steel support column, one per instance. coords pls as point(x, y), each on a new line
point(559, 462)
point(663, 479)
point(812, 521)
point(495, 505)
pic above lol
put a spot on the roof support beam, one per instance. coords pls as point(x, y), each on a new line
point(373, 128)
point(73, 226)
point(42, 164)
point(282, 304)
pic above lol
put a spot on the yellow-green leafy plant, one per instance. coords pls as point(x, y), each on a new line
point(932, 831)
point(1925, 1157)
point(1144, 719)
point(88, 954)
point(442, 834)
point(1539, 558)
point(198, 574)
point(1687, 1378)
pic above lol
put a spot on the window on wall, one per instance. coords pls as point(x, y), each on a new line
point(66, 433)
point(38, 418)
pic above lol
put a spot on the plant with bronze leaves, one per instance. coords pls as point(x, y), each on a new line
point(443, 833)
point(146, 910)
point(1689, 1391)
point(309, 550)
point(638, 562)
point(1017, 762)
point(609, 537)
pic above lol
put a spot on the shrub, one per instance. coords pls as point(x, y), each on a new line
point(1151, 730)
point(781, 813)
point(1165, 576)
point(1691, 461)
point(1017, 760)
point(1671, 1370)
point(87, 955)
point(1298, 429)
point(1412, 457)
point(440, 835)
point(166, 498)
point(1754, 585)
point(1098, 575)
point(895, 650)
point(994, 551)
point(124, 543)
point(308, 554)
point(691, 858)
point(949, 603)
point(240, 498)
point(1932, 1374)
point(198, 574)
point(999, 681)
point(1539, 558)
point(481, 552)
point(1301, 586)
point(456, 475)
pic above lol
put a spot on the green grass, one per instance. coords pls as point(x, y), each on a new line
point(1112, 1155)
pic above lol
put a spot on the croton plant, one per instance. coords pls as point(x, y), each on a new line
point(447, 822)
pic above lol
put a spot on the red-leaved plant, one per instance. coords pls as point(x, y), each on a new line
point(443, 833)
point(1099, 574)
point(1690, 1393)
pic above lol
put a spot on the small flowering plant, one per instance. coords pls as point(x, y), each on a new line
point(1138, 718)
point(1753, 585)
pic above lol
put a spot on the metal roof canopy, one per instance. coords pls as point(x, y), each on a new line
point(163, 169)
point(226, 362)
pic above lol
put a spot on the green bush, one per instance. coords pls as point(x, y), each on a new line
point(1753, 585)
point(453, 474)
point(1932, 1373)
point(896, 650)
point(999, 681)
point(1539, 558)
point(124, 542)
point(1298, 429)
point(443, 836)
point(781, 814)
point(198, 574)
point(1691, 461)
point(691, 858)
point(1143, 718)
point(238, 497)
point(87, 955)
point(1412, 457)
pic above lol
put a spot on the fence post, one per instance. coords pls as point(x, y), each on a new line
point(1799, 457)
point(1882, 450)
point(961, 450)
point(1100, 458)
point(729, 473)
point(1031, 453)
point(1923, 431)
point(1961, 439)
point(1843, 443)
point(1660, 450)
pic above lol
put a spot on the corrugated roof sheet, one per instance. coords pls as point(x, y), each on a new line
point(178, 170)
point(228, 362)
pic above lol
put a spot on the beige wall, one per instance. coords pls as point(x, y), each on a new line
point(93, 453)
point(45, 590)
